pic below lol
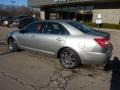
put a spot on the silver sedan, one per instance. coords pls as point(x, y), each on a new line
point(72, 42)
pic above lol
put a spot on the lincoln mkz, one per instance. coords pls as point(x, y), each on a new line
point(70, 41)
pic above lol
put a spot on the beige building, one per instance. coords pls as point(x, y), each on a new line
point(107, 11)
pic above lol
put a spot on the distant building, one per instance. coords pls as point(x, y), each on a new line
point(82, 10)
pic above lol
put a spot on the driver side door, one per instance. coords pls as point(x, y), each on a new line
point(26, 39)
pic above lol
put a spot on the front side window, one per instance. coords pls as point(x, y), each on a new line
point(36, 27)
point(54, 28)
point(30, 28)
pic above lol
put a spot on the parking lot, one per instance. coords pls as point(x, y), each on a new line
point(26, 70)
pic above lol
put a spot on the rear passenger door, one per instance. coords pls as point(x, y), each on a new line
point(52, 38)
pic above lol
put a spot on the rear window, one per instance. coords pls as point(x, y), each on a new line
point(81, 27)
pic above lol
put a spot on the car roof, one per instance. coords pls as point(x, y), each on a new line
point(70, 28)
point(63, 21)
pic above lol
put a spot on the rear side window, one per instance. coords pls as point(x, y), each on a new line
point(54, 28)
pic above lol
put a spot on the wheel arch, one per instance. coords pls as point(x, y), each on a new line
point(58, 53)
point(9, 38)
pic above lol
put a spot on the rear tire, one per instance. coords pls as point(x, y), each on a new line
point(69, 58)
point(12, 45)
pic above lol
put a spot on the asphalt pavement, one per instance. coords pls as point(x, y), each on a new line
point(26, 70)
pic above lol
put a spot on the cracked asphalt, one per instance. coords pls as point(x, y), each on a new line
point(26, 70)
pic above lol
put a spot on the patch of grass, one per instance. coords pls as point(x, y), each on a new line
point(104, 25)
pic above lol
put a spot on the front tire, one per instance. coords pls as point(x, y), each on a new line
point(12, 45)
point(69, 58)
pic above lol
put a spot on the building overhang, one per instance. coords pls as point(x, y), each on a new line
point(73, 3)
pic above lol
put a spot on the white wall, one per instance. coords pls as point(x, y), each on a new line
point(108, 15)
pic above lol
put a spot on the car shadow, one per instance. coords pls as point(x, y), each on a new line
point(2, 43)
point(5, 53)
point(114, 66)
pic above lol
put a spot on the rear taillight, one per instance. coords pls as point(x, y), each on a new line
point(103, 42)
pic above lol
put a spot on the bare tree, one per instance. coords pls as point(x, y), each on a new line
point(18, 10)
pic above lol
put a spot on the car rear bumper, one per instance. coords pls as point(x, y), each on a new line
point(95, 58)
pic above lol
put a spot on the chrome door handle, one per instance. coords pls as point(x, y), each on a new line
point(59, 39)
